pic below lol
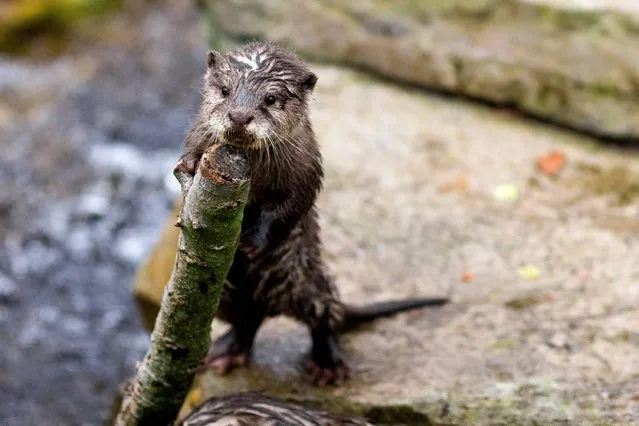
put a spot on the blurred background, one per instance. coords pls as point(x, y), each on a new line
point(485, 145)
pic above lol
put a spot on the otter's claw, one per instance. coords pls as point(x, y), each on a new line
point(253, 246)
point(324, 376)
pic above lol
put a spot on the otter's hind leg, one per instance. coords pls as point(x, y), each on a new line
point(233, 348)
point(327, 365)
point(315, 305)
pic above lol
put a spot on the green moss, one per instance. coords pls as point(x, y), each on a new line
point(625, 336)
point(503, 344)
point(552, 97)
point(524, 302)
point(566, 19)
point(617, 181)
point(481, 11)
point(46, 21)
point(437, 6)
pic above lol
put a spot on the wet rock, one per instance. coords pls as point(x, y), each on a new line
point(567, 62)
point(94, 203)
point(8, 289)
point(79, 243)
point(117, 159)
point(38, 257)
point(130, 246)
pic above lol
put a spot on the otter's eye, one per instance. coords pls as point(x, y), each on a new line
point(225, 91)
point(269, 100)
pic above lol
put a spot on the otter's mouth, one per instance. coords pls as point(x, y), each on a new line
point(239, 137)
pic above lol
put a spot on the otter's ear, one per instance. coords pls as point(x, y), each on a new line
point(309, 81)
point(213, 59)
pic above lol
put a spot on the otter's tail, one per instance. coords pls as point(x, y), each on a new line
point(357, 315)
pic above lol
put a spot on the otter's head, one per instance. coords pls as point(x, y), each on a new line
point(256, 95)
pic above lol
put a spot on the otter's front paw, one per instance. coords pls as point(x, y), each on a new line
point(188, 163)
point(253, 245)
point(226, 353)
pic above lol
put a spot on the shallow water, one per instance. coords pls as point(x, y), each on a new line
point(89, 140)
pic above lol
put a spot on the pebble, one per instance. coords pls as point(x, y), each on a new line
point(8, 288)
point(130, 245)
point(117, 158)
point(558, 340)
point(95, 203)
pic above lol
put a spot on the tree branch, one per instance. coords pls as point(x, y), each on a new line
point(210, 222)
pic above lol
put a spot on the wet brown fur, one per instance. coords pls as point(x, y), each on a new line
point(254, 409)
point(278, 268)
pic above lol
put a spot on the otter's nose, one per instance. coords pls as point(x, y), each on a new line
point(240, 118)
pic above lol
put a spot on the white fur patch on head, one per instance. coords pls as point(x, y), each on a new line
point(248, 61)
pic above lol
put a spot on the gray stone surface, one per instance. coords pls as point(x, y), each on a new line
point(561, 348)
point(572, 62)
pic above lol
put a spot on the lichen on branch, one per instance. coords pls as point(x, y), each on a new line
point(210, 223)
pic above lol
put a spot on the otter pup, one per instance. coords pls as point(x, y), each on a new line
point(252, 408)
point(255, 97)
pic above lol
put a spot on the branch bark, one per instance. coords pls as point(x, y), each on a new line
point(210, 223)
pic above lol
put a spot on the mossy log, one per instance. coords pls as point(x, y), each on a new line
point(210, 223)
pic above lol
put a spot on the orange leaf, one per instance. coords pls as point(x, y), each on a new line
point(552, 163)
point(467, 276)
point(459, 184)
point(549, 297)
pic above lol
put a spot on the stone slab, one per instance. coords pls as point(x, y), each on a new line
point(571, 62)
point(398, 221)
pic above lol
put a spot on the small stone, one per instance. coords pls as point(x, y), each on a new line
point(8, 288)
point(111, 320)
point(80, 243)
point(40, 257)
point(74, 325)
point(54, 222)
point(95, 203)
point(131, 246)
point(117, 157)
point(558, 340)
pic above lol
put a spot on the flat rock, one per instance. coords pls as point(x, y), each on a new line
point(409, 209)
point(572, 62)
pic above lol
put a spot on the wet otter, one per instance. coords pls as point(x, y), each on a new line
point(254, 409)
point(256, 97)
